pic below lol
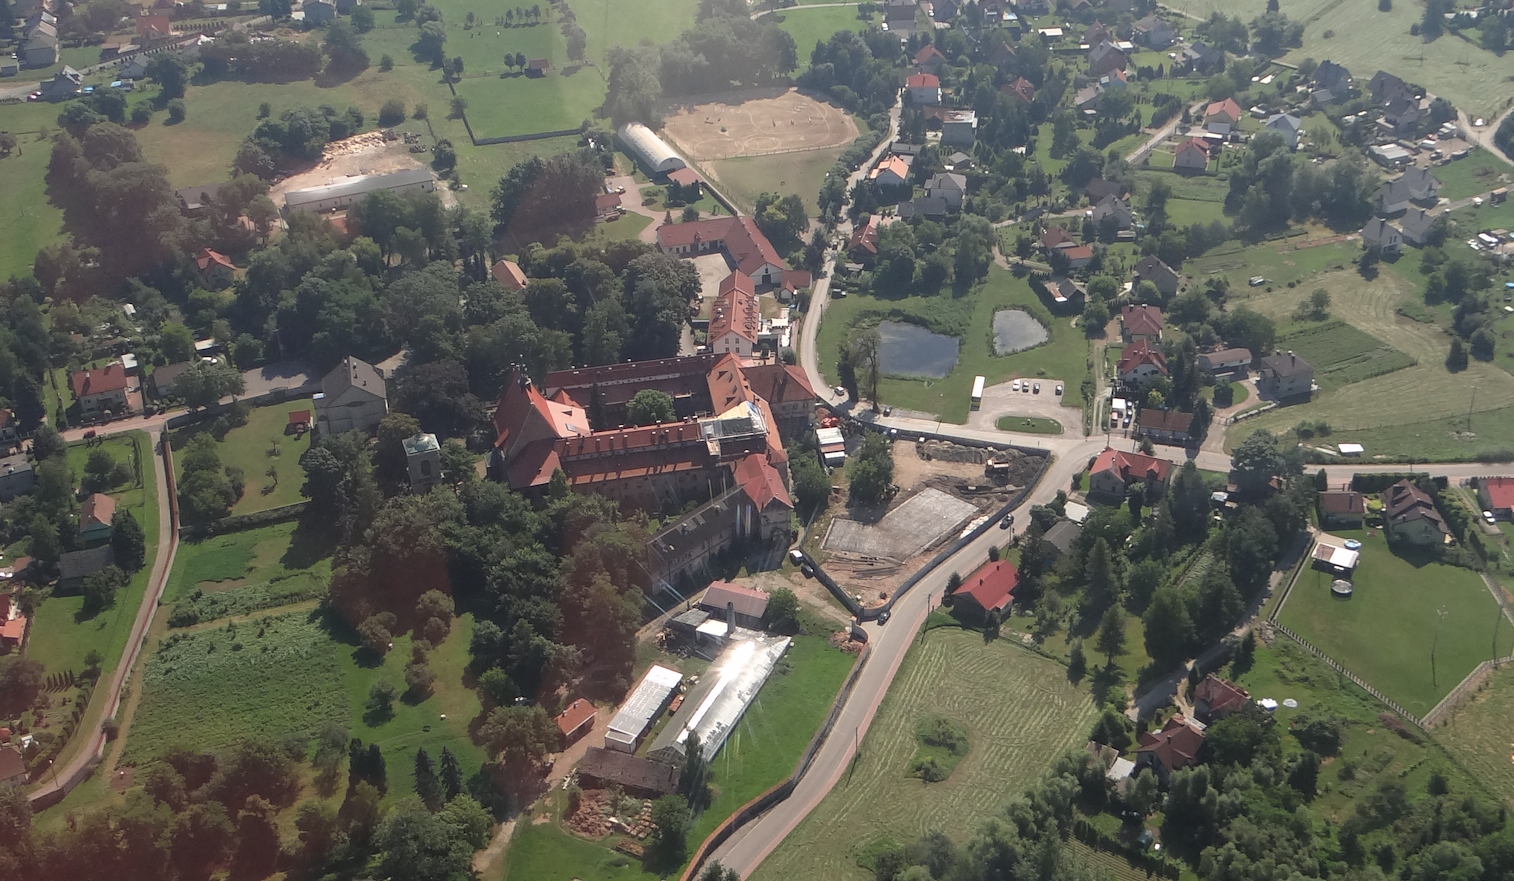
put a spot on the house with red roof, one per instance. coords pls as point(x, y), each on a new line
point(924, 88)
point(1105, 58)
point(1114, 470)
point(94, 518)
point(12, 766)
point(1497, 495)
point(929, 58)
point(12, 624)
point(1216, 698)
point(1021, 89)
point(734, 317)
point(1165, 426)
point(1078, 256)
point(575, 721)
point(1344, 508)
point(1140, 364)
point(1141, 323)
point(862, 247)
point(736, 237)
point(509, 276)
point(1056, 238)
point(216, 269)
point(100, 390)
point(1173, 748)
point(990, 589)
point(891, 172)
point(748, 605)
point(1191, 155)
point(788, 394)
point(1222, 116)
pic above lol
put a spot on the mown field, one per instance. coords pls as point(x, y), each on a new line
point(1385, 632)
point(31, 223)
point(745, 178)
point(1064, 357)
point(1341, 354)
point(1478, 734)
point(242, 572)
point(1365, 39)
point(811, 26)
point(1020, 714)
point(252, 448)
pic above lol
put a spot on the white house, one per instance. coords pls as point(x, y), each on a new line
point(1288, 127)
point(352, 398)
point(1191, 155)
point(1382, 234)
point(1414, 185)
point(959, 127)
point(951, 187)
point(924, 88)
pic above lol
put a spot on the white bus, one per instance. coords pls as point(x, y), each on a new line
point(977, 392)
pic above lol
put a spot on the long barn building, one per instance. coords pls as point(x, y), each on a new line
point(344, 193)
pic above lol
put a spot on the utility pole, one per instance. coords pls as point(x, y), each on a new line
point(1441, 616)
point(1470, 405)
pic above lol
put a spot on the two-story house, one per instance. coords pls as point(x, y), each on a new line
point(353, 397)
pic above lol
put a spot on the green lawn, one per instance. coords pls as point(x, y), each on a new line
point(1480, 172)
point(1278, 262)
point(540, 852)
point(1062, 358)
point(811, 26)
point(31, 223)
point(745, 178)
point(1476, 734)
point(1385, 631)
point(1020, 714)
point(1030, 424)
point(248, 447)
point(241, 572)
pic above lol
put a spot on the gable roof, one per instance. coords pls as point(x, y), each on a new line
point(1226, 109)
point(928, 54)
point(1225, 356)
point(110, 378)
point(1176, 746)
point(1500, 491)
point(12, 765)
point(779, 383)
point(1057, 237)
point(81, 564)
point(735, 309)
point(1152, 268)
point(1417, 222)
point(1143, 319)
point(1131, 466)
point(194, 198)
point(739, 235)
point(1343, 502)
point(947, 181)
point(1021, 88)
point(1138, 353)
point(353, 373)
point(1284, 122)
point(992, 587)
point(1378, 229)
point(1403, 501)
point(1062, 535)
point(1220, 695)
point(1329, 74)
point(578, 713)
point(897, 165)
point(1079, 252)
point(748, 601)
point(1175, 421)
point(628, 770)
point(208, 258)
point(865, 236)
point(761, 482)
point(922, 81)
point(97, 510)
point(1286, 364)
point(509, 275)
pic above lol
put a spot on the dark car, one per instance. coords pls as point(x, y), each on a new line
point(807, 571)
point(883, 617)
point(1008, 521)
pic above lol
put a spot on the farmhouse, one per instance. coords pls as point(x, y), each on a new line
point(1113, 470)
point(352, 398)
point(923, 88)
point(575, 721)
point(1152, 269)
point(1409, 515)
point(101, 390)
point(1216, 698)
point(94, 518)
point(1287, 126)
point(1222, 116)
point(1173, 748)
point(641, 708)
point(1141, 323)
point(1497, 495)
point(1383, 235)
point(950, 187)
point(737, 237)
point(990, 589)
point(734, 317)
point(734, 604)
point(1191, 155)
point(1342, 508)
point(1418, 226)
point(1285, 376)
point(1140, 363)
point(353, 189)
point(16, 476)
point(65, 84)
point(1165, 426)
point(1414, 185)
point(638, 777)
point(509, 276)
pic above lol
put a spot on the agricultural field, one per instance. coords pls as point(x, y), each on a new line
point(1371, 411)
point(1063, 357)
point(268, 455)
point(1387, 630)
point(1363, 39)
point(1279, 262)
point(1020, 713)
point(1341, 354)
point(241, 572)
point(1477, 734)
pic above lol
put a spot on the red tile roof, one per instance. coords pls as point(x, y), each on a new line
point(1021, 88)
point(1131, 466)
point(923, 81)
point(577, 715)
point(991, 587)
point(1142, 320)
point(1081, 252)
point(97, 509)
point(1057, 237)
point(13, 630)
point(299, 417)
point(795, 279)
point(1345, 502)
point(207, 258)
point(684, 177)
point(110, 378)
point(1193, 144)
point(1500, 491)
point(928, 54)
point(606, 201)
point(865, 237)
point(761, 481)
point(12, 766)
point(1176, 746)
point(1139, 353)
point(735, 309)
point(523, 414)
point(1165, 420)
point(1226, 109)
point(1222, 697)
point(739, 236)
point(748, 600)
point(509, 275)
point(779, 383)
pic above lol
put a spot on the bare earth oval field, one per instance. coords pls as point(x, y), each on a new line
point(755, 122)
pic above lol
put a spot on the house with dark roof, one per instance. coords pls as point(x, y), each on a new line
point(353, 397)
point(1225, 361)
point(195, 201)
point(1341, 508)
point(639, 777)
point(1173, 748)
point(1105, 58)
point(1061, 538)
point(1334, 79)
point(1200, 57)
point(17, 477)
point(1285, 375)
point(94, 518)
point(12, 767)
point(575, 721)
point(1114, 470)
point(1417, 226)
point(161, 381)
point(1153, 32)
point(952, 188)
point(41, 46)
point(75, 566)
point(1385, 87)
point(1152, 269)
point(990, 589)
point(1497, 496)
point(8, 434)
point(1140, 363)
point(1401, 116)
point(1286, 126)
point(736, 237)
point(1140, 323)
point(1382, 234)
point(1410, 515)
point(1215, 698)
point(1414, 185)
point(1165, 426)
point(65, 84)
point(1112, 210)
point(1099, 189)
point(100, 390)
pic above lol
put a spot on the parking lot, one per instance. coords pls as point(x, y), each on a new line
point(1003, 400)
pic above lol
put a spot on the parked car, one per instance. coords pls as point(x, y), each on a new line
point(1256, 281)
point(1059, 388)
point(1488, 516)
point(796, 557)
point(1038, 388)
point(1014, 386)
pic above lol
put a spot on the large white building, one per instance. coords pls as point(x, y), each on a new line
point(346, 192)
point(653, 151)
point(352, 398)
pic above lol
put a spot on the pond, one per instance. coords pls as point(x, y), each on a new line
point(911, 350)
point(1015, 330)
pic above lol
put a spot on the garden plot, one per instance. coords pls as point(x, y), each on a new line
point(924, 519)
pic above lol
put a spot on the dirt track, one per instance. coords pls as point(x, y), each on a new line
point(755, 122)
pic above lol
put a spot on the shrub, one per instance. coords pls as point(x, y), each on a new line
point(392, 113)
point(177, 110)
point(386, 63)
point(930, 770)
point(419, 679)
point(141, 114)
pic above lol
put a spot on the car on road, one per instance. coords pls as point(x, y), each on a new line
point(1059, 388)
point(807, 571)
point(1488, 516)
point(796, 557)
point(840, 391)
point(1008, 521)
point(1037, 388)
point(883, 617)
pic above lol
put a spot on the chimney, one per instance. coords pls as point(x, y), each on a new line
point(730, 619)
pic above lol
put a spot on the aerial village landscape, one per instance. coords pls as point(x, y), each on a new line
point(917, 440)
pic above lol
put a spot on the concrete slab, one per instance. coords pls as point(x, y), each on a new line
point(924, 519)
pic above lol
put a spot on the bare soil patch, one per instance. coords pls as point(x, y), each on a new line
point(363, 154)
point(755, 122)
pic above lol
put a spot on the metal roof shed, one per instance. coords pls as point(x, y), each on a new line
point(645, 704)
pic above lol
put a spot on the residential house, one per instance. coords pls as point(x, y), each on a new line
point(16, 476)
point(734, 317)
point(990, 589)
point(575, 721)
point(737, 237)
point(607, 205)
point(1114, 470)
point(1099, 189)
point(1106, 58)
point(923, 88)
point(960, 127)
point(319, 11)
point(153, 27)
point(689, 180)
point(1341, 508)
point(943, 11)
point(423, 457)
point(1114, 211)
point(959, 160)
point(1140, 363)
point(509, 276)
point(161, 381)
point(1152, 269)
point(8, 435)
point(1141, 323)
point(1191, 155)
point(101, 390)
point(1225, 361)
point(1334, 79)
point(1115, 79)
point(1097, 33)
point(41, 46)
point(1165, 426)
point(1410, 515)
point(929, 58)
point(12, 767)
point(216, 269)
point(1087, 98)
point(1285, 376)
point(1385, 87)
point(746, 606)
point(195, 201)
point(1153, 32)
point(1222, 116)
point(1056, 238)
point(1078, 256)
point(1065, 292)
point(1414, 185)
point(1173, 748)
point(12, 634)
point(1021, 89)
point(636, 776)
point(1201, 58)
point(94, 518)
point(1383, 235)
point(951, 187)
point(75, 566)
point(1215, 698)
point(1286, 126)
point(893, 171)
point(862, 247)
point(353, 397)
point(1418, 226)
point(65, 84)
point(930, 208)
point(1401, 116)
point(1000, 53)
point(537, 68)
point(1061, 538)
point(788, 394)
point(1497, 496)
point(1032, 7)
point(10, 65)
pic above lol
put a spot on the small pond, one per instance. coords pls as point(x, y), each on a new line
point(1015, 330)
point(911, 350)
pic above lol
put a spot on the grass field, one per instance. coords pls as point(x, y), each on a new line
point(1385, 631)
point(811, 26)
point(1063, 357)
point(1365, 40)
point(242, 572)
point(1030, 424)
point(1341, 354)
point(1020, 714)
point(1477, 734)
point(1480, 172)
point(747, 177)
point(1373, 412)
point(1278, 262)
point(247, 447)
point(1195, 199)
point(31, 222)
point(60, 638)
